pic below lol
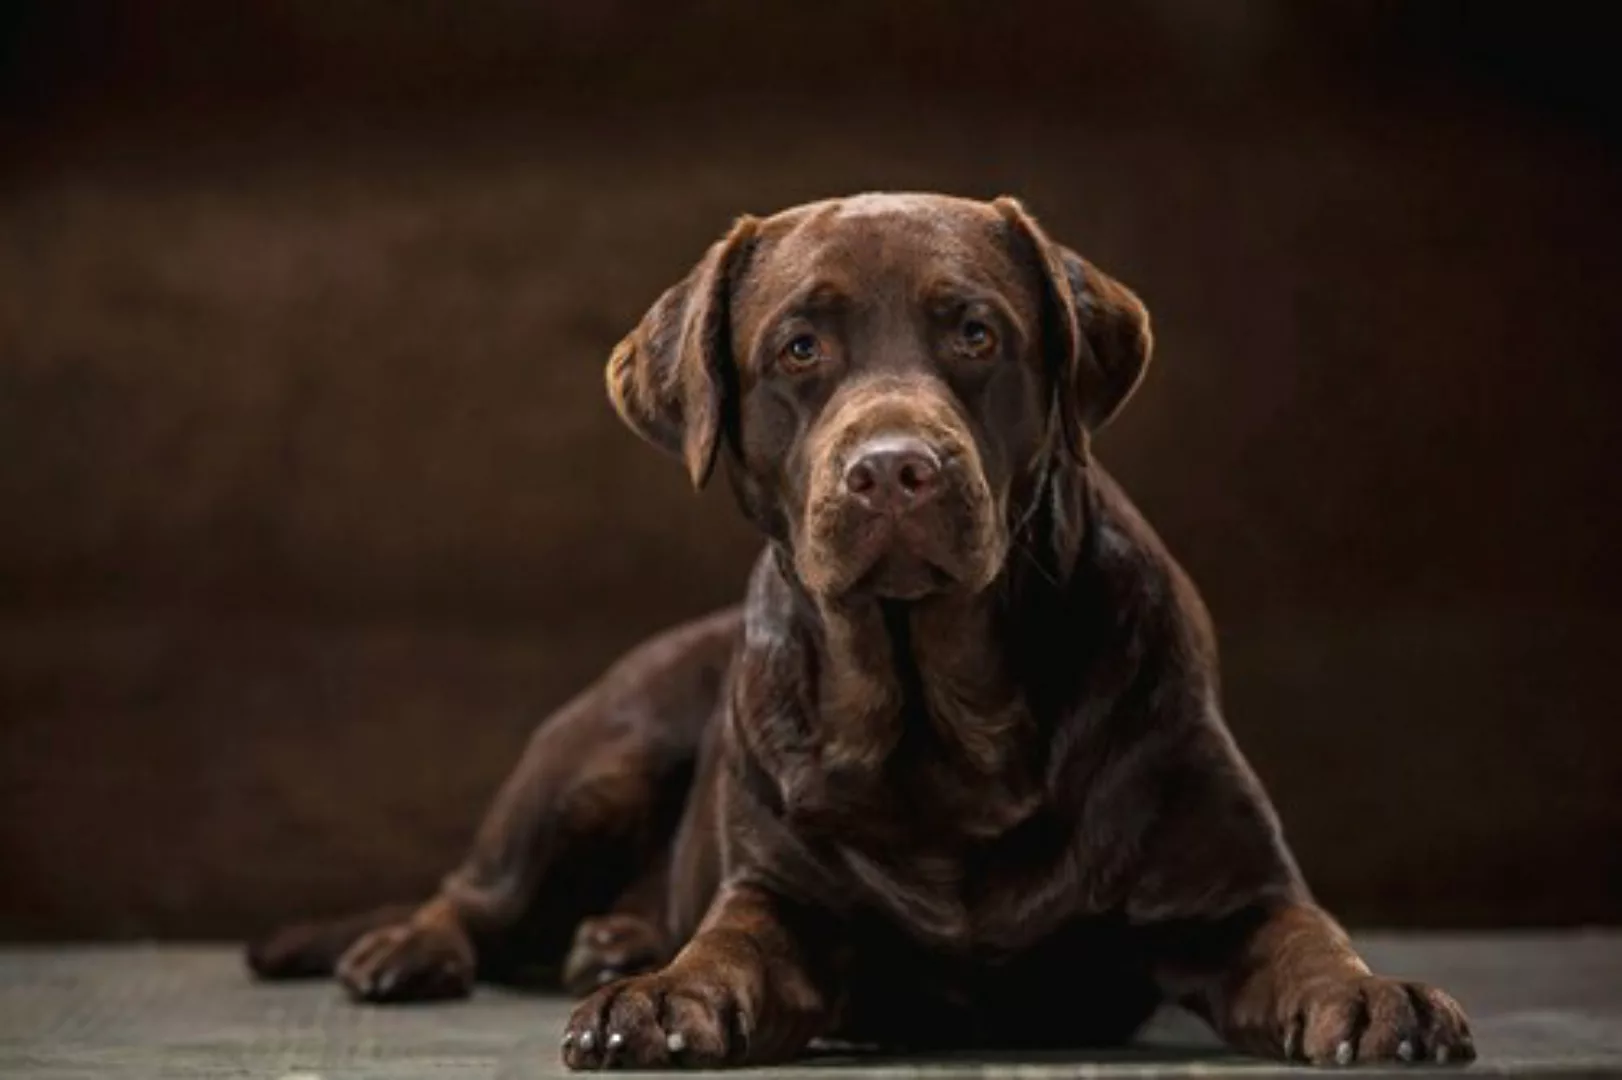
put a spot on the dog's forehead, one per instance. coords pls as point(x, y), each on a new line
point(871, 241)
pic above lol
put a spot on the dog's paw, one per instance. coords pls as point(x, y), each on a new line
point(657, 1021)
point(611, 947)
point(298, 951)
point(409, 962)
point(1374, 1020)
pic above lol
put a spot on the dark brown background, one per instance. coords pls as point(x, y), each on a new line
point(312, 503)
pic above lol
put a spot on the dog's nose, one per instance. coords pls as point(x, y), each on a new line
point(893, 474)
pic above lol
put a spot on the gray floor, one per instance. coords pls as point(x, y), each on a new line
point(1538, 1003)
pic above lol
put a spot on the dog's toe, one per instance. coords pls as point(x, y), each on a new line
point(408, 963)
point(611, 947)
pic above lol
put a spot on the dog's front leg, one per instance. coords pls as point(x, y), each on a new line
point(751, 988)
point(1293, 987)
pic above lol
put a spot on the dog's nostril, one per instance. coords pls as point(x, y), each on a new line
point(916, 475)
point(891, 475)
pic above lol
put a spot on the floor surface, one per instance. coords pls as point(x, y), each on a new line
point(1540, 1004)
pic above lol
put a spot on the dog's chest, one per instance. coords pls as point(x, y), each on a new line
point(963, 894)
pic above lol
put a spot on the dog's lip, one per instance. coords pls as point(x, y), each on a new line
point(904, 577)
point(907, 595)
point(894, 559)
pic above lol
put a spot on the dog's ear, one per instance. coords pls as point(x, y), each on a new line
point(1096, 331)
point(670, 379)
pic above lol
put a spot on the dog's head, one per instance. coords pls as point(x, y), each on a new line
point(887, 379)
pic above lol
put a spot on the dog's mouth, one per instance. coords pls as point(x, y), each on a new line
point(899, 575)
point(894, 560)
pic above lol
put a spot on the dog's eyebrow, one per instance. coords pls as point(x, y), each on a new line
point(819, 296)
point(944, 294)
point(945, 298)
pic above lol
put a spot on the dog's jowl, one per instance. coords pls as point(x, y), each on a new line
point(955, 774)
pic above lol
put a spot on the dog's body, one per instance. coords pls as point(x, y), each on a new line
point(955, 774)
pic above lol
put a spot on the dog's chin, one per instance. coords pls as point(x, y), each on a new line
point(883, 563)
point(902, 576)
point(898, 573)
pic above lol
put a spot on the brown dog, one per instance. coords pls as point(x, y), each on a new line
point(956, 775)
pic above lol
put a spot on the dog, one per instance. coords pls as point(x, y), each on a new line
point(955, 774)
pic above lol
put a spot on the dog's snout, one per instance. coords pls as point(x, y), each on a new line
point(892, 475)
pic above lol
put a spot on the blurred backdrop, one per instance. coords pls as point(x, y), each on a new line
point(311, 503)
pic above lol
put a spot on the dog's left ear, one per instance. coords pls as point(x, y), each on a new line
point(670, 378)
point(1096, 330)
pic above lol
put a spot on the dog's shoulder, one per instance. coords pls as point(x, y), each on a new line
point(1129, 576)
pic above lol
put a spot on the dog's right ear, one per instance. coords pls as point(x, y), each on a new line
point(1098, 330)
point(669, 378)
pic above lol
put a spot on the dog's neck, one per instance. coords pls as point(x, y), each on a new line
point(930, 673)
point(911, 703)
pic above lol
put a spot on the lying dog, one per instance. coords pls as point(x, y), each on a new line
point(956, 774)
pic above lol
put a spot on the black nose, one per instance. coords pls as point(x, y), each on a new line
point(893, 474)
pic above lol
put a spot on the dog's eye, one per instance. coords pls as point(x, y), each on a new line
point(802, 353)
point(978, 338)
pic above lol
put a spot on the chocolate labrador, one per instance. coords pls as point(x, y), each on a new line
point(955, 775)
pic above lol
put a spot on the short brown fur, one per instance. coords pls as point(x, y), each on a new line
point(955, 774)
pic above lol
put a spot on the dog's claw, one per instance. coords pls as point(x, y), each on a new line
point(568, 1039)
point(1344, 1053)
point(675, 1042)
point(587, 1041)
point(1405, 1050)
point(615, 1041)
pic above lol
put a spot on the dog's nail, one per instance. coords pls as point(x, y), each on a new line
point(568, 1039)
point(1405, 1050)
point(1344, 1052)
point(605, 976)
point(587, 1040)
point(386, 983)
point(615, 1041)
point(675, 1042)
point(1289, 1045)
point(602, 936)
point(1442, 1054)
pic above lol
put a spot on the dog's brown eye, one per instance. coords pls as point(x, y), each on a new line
point(978, 338)
point(802, 353)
